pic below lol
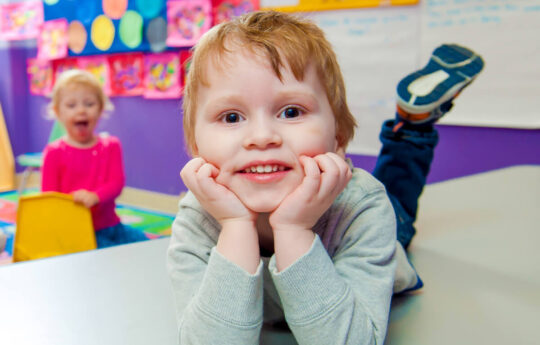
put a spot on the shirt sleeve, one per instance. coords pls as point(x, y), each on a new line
point(217, 302)
point(344, 299)
point(115, 180)
point(50, 170)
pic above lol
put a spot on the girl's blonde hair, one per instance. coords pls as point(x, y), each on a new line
point(278, 36)
point(77, 77)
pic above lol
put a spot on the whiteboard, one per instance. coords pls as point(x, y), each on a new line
point(506, 33)
point(375, 47)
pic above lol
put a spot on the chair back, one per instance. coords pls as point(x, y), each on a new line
point(50, 224)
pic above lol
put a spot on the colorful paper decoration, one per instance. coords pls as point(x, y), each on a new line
point(126, 74)
point(130, 29)
point(62, 65)
point(52, 40)
point(115, 9)
point(187, 21)
point(225, 10)
point(156, 34)
point(40, 76)
point(99, 67)
point(150, 8)
point(19, 21)
point(77, 36)
point(102, 32)
point(162, 76)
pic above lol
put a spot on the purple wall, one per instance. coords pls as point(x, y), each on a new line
point(151, 134)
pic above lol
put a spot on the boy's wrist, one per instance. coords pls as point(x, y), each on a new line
point(239, 242)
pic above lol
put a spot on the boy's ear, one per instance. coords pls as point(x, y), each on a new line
point(341, 152)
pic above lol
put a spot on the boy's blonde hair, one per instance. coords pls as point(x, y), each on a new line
point(278, 36)
point(77, 77)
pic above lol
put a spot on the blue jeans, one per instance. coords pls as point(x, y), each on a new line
point(402, 166)
point(118, 234)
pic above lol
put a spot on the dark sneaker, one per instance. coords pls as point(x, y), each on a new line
point(426, 95)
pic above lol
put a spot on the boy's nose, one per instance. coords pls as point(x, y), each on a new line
point(261, 134)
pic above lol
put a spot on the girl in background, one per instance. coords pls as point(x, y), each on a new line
point(82, 163)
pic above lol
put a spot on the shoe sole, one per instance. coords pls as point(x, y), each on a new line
point(450, 69)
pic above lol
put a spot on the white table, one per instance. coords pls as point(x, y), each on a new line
point(476, 250)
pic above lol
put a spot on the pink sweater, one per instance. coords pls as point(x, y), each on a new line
point(98, 169)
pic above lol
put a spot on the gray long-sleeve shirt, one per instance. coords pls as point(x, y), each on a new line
point(339, 292)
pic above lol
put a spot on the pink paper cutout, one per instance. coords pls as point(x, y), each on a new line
point(187, 21)
point(53, 40)
point(225, 10)
point(19, 21)
point(126, 74)
point(40, 76)
point(99, 66)
point(162, 76)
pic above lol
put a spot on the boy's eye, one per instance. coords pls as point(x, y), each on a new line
point(290, 113)
point(231, 118)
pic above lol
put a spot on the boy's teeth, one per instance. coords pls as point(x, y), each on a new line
point(264, 169)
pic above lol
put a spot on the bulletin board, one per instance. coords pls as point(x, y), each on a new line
point(108, 26)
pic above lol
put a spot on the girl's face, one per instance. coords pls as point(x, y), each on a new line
point(79, 110)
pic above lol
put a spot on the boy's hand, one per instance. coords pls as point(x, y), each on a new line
point(85, 197)
point(326, 175)
point(200, 177)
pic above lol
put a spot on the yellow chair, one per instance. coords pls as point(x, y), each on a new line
point(50, 224)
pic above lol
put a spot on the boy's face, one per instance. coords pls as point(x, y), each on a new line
point(79, 110)
point(254, 127)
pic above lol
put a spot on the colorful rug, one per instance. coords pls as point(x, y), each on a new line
point(153, 224)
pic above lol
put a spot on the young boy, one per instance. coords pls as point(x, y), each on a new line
point(277, 224)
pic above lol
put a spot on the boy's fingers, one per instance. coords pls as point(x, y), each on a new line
point(189, 173)
point(310, 183)
point(330, 175)
point(192, 166)
point(336, 172)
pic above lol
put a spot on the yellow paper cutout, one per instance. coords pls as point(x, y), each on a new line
point(102, 32)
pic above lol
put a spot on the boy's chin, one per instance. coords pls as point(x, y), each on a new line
point(262, 206)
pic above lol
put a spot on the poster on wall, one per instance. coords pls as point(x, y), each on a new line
point(40, 76)
point(52, 40)
point(162, 76)
point(187, 22)
point(126, 74)
point(19, 21)
point(99, 67)
point(225, 10)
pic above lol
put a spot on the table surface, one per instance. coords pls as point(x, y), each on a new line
point(476, 250)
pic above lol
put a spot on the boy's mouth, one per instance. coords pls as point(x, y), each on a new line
point(264, 169)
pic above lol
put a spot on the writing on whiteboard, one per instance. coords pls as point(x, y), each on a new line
point(448, 13)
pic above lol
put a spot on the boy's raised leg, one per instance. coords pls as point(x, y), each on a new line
point(409, 141)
